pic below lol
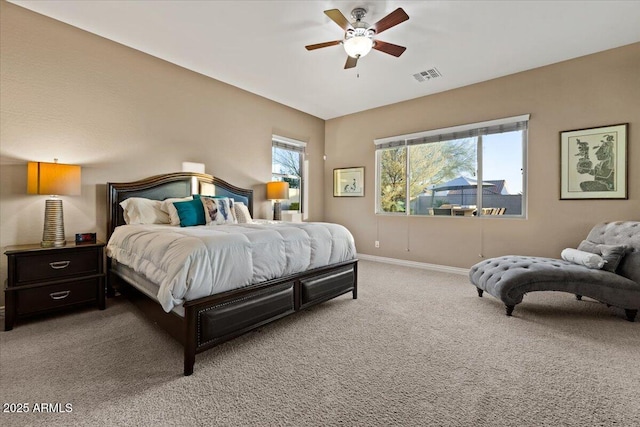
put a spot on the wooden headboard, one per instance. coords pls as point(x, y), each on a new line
point(160, 187)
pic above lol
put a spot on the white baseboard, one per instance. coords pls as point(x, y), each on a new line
point(415, 264)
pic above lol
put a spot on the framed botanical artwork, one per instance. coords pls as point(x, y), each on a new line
point(593, 163)
point(348, 182)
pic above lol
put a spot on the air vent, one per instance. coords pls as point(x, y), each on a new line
point(427, 75)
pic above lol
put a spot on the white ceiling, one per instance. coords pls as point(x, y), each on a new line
point(259, 45)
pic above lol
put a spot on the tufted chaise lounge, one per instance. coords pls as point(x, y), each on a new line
point(510, 277)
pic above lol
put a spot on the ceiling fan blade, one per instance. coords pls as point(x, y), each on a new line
point(351, 62)
point(391, 20)
point(337, 17)
point(325, 44)
point(390, 48)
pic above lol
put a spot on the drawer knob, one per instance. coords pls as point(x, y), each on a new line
point(59, 295)
point(59, 264)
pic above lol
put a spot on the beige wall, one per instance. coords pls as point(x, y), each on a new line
point(596, 90)
point(124, 115)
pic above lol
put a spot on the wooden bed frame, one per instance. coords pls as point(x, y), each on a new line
point(212, 320)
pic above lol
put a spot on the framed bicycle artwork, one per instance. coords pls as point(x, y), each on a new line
point(348, 182)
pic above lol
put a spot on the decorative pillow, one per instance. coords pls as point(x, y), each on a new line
point(167, 206)
point(587, 259)
point(138, 210)
point(242, 213)
point(612, 254)
point(588, 246)
point(231, 204)
point(217, 211)
point(190, 213)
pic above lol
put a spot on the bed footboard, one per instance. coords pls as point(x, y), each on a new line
point(213, 320)
point(210, 325)
point(316, 289)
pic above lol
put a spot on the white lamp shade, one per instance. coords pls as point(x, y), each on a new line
point(193, 167)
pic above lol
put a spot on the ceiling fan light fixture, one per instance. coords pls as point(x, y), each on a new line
point(358, 35)
point(358, 44)
point(357, 47)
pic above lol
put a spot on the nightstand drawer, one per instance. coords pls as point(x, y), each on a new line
point(42, 298)
point(54, 265)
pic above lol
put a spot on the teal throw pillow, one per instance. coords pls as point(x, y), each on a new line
point(190, 212)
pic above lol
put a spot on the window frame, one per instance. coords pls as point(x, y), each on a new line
point(477, 130)
point(282, 142)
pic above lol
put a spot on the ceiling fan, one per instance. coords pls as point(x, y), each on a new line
point(358, 35)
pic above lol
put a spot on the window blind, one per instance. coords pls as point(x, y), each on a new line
point(288, 144)
point(508, 124)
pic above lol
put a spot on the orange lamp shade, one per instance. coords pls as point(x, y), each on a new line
point(277, 190)
point(53, 179)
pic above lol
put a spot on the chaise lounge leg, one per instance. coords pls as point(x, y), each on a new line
point(509, 309)
point(631, 314)
point(480, 292)
point(579, 297)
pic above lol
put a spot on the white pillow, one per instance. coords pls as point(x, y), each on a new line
point(138, 210)
point(167, 206)
point(218, 210)
point(582, 258)
point(242, 213)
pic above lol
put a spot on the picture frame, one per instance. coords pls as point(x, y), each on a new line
point(593, 163)
point(348, 182)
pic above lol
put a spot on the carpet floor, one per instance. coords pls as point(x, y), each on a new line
point(417, 348)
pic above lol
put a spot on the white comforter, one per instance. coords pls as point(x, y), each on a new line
point(193, 262)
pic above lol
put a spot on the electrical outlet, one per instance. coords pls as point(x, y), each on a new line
point(377, 244)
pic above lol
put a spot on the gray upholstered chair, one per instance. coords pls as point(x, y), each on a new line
point(510, 277)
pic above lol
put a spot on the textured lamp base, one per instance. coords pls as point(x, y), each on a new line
point(277, 211)
point(53, 233)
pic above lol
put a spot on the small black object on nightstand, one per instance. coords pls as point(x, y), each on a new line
point(84, 238)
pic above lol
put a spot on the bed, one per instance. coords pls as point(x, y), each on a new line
point(202, 322)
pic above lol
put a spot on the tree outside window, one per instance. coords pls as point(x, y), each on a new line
point(429, 165)
point(286, 165)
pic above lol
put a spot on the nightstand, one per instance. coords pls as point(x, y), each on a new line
point(291, 216)
point(43, 280)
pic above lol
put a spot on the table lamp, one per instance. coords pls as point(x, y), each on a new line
point(53, 179)
point(277, 190)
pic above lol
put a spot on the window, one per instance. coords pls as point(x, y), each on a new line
point(469, 170)
point(287, 162)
